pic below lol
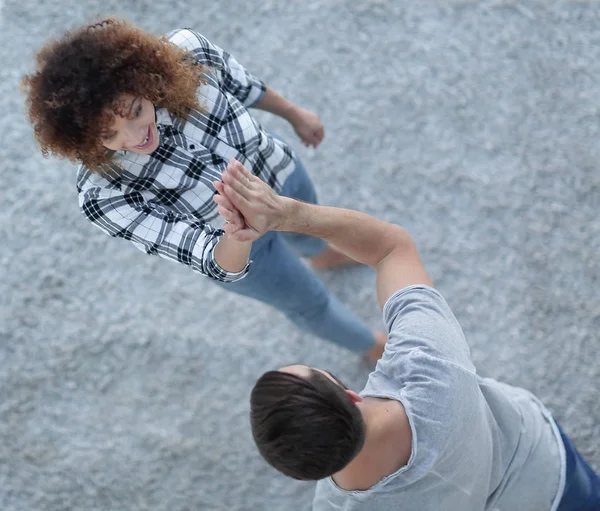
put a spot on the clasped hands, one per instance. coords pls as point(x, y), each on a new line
point(248, 204)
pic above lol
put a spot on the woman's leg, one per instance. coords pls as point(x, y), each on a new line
point(299, 186)
point(320, 255)
point(278, 278)
point(582, 485)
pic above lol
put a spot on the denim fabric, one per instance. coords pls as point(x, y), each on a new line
point(582, 486)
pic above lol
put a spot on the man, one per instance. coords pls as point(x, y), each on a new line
point(426, 433)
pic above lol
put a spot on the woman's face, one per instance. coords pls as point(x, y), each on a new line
point(135, 130)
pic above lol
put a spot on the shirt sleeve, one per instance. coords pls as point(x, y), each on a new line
point(426, 365)
point(232, 76)
point(418, 317)
point(155, 230)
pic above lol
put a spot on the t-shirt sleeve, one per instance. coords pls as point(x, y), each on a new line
point(418, 317)
point(427, 367)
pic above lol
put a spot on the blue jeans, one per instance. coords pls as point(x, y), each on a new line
point(582, 485)
point(279, 278)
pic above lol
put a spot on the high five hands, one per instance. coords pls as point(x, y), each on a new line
point(249, 205)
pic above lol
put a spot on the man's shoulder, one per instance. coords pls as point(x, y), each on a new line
point(419, 294)
point(328, 497)
point(419, 319)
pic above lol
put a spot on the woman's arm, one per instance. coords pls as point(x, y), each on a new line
point(247, 88)
point(232, 255)
point(154, 229)
point(222, 67)
point(306, 124)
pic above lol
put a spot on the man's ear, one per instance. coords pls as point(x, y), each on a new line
point(353, 395)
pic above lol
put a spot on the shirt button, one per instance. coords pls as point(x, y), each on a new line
point(192, 147)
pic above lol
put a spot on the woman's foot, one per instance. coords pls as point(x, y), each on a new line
point(329, 259)
point(376, 351)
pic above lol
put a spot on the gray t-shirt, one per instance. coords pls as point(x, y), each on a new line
point(478, 445)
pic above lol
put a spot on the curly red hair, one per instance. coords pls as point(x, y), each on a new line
point(73, 94)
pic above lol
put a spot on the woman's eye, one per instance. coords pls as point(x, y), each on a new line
point(138, 111)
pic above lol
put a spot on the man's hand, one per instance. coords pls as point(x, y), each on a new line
point(244, 195)
point(307, 126)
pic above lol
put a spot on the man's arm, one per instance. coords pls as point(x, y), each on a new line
point(386, 247)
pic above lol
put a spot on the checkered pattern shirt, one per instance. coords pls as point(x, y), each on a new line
point(162, 202)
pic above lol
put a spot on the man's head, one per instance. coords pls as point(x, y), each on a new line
point(305, 422)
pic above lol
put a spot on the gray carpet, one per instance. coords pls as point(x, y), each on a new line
point(125, 379)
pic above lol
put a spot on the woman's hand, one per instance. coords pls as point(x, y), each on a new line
point(236, 225)
point(235, 220)
point(227, 210)
point(307, 126)
point(245, 195)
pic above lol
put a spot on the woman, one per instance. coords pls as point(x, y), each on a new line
point(153, 123)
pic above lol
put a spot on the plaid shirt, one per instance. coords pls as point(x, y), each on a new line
point(162, 202)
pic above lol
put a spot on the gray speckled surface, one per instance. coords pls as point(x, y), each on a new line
point(125, 378)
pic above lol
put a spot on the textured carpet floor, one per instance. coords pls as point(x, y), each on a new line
point(125, 379)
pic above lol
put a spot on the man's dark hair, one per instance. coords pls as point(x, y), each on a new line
point(307, 428)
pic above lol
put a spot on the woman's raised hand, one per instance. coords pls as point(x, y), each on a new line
point(245, 196)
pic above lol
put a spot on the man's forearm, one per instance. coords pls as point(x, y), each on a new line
point(360, 236)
